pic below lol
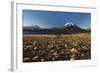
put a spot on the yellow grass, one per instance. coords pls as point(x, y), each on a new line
point(62, 37)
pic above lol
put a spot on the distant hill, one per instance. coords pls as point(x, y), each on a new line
point(36, 27)
point(68, 28)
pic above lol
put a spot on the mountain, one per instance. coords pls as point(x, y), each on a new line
point(68, 28)
point(36, 27)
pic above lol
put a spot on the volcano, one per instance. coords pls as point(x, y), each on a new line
point(68, 28)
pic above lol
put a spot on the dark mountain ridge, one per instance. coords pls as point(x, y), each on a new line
point(68, 28)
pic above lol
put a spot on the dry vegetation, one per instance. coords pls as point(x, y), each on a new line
point(56, 47)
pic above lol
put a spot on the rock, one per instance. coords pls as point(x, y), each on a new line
point(73, 50)
point(72, 59)
point(28, 47)
point(53, 59)
point(34, 58)
point(82, 54)
point(55, 54)
point(35, 48)
point(66, 45)
point(42, 60)
point(26, 59)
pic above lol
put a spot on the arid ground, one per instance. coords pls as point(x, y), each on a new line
point(40, 48)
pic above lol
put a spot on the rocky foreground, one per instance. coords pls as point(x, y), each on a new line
point(40, 48)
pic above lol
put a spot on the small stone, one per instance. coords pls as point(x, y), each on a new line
point(72, 59)
point(26, 59)
point(73, 55)
point(34, 58)
point(42, 60)
point(82, 54)
point(35, 48)
point(62, 52)
point(55, 54)
point(73, 50)
point(53, 59)
point(65, 45)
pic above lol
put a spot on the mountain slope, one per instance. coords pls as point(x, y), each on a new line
point(68, 28)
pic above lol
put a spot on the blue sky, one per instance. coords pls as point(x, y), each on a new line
point(49, 19)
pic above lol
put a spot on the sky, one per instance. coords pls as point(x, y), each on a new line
point(49, 19)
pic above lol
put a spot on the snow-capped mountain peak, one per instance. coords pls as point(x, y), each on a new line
point(68, 24)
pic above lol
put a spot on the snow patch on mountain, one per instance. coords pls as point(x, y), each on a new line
point(68, 24)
